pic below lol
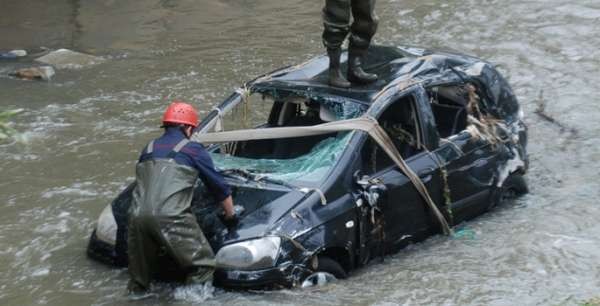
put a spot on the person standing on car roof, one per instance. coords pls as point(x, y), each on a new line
point(160, 219)
point(336, 19)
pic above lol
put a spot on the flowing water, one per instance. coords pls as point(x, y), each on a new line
point(81, 134)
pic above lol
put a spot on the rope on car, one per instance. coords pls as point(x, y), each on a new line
point(365, 123)
point(318, 191)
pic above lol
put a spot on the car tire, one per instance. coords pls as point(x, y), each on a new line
point(326, 264)
point(327, 270)
point(514, 186)
point(517, 183)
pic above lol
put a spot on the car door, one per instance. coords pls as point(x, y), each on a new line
point(470, 167)
point(406, 215)
point(468, 162)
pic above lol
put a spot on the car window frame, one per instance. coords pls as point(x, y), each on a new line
point(380, 106)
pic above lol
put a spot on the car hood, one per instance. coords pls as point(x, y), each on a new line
point(264, 209)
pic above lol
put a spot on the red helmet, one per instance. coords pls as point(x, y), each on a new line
point(181, 112)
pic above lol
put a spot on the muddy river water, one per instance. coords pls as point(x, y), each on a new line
point(80, 135)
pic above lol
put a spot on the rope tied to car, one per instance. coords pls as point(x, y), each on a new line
point(365, 123)
point(318, 191)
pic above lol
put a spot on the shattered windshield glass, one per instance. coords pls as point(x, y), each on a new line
point(345, 111)
point(295, 161)
point(311, 167)
point(342, 107)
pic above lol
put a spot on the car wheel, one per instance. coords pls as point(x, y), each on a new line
point(514, 186)
point(327, 270)
point(517, 184)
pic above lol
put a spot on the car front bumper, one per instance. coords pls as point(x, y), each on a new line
point(285, 275)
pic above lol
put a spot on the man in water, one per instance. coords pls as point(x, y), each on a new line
point(336, 18)
point(160, 217)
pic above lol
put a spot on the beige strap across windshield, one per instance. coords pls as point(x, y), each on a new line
point(364, 123)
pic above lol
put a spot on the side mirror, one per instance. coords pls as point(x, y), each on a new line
point(361, 180)
point(375, 193)
point(372, 190)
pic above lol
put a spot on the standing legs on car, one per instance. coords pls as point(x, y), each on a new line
point(336, 19)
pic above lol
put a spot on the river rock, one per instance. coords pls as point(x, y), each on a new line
point(44, 73)
point(68, 59)
point(13, 54)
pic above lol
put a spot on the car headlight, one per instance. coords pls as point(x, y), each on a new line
point(250, 255)
point(106, 230)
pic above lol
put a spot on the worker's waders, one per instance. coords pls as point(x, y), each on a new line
point(161, 223)
point(336, 18)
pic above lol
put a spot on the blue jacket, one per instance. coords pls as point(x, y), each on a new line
point(193, 155)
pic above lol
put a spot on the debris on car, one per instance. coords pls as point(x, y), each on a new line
point(332, 178)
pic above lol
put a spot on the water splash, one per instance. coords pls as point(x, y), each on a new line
point(194, 293)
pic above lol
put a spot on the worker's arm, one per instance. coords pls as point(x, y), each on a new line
point(228, 207)
point(212, 179)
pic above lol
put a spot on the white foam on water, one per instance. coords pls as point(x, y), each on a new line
point(59, 227)
point(121, 97)
point(85, 189)
point(45, 257)
point(194, 293)
point(40, 272)
point(68, 191)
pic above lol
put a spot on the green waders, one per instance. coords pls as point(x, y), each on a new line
point(161, 222)
point(336, 17)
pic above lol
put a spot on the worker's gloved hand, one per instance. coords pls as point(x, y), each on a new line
point(238, 210)
point(232, 221)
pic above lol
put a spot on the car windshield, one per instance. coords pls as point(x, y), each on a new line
point(295, 161)
point(311, 167)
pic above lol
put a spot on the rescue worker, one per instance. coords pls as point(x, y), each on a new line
point(160, 217)
point(336, 18)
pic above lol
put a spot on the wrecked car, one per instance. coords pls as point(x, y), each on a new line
point(321, 196)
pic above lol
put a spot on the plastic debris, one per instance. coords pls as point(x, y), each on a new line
point(44, 73)
point(13, 54)
point(68, 59)
point(464, 233)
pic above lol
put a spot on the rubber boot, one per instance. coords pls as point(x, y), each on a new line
point(136, 291)
point(356, 74)
point(200, 276)
point(336, 77)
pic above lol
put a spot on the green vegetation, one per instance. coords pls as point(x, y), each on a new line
point(5, 130)
point(592, 302)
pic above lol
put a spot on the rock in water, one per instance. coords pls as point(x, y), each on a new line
point(18, 53)
point(34, 73)
point(13, 54)
point(64, 58)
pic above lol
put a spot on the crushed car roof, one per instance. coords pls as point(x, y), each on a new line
point(398, 68)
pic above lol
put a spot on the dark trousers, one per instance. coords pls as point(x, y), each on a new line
point(178, 237)
point(336, 18)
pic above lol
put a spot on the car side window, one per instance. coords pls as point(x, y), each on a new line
point(449, 106)
point(400, 120)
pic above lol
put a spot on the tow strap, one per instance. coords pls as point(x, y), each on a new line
point(365, 123)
